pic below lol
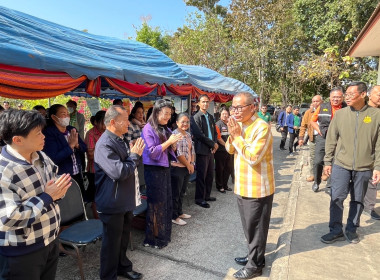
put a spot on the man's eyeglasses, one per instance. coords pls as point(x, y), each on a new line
point(350, 95)
point(238, 108)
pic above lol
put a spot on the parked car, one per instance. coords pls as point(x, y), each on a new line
point(270, 109)
point(303, 108)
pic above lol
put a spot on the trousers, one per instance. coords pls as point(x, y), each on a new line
point(311, 157)
point(284, 134)
point(223, 169)
point(113, 254)
point(38, 265)
point(180, 178)
point(293, 136)
point(205, 176)
point(345, 181)
point(255, 217)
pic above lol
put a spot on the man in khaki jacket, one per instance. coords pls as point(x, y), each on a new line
point(306, 126)
point(352, 159)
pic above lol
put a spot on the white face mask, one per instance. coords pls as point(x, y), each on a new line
point(64, 121)
point(70, 109)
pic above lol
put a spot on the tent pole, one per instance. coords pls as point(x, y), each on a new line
point(49, 102)
point(189, 104)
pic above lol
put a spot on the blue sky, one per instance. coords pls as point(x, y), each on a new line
point(115, 18)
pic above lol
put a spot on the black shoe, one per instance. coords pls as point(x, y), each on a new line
point(332, 237)
point(130, 274)
point(245, 273)
point(228, 189)
point(351, 237)
point(211, 198)
point(203, 204)
point(241, 260)
point(315, 187)
point(282, 149)
point(372, 214)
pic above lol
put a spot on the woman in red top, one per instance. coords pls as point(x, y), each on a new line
point(91, 138)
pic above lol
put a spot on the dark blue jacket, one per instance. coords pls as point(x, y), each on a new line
point(290, 122)
point(282, 118)
point(58, 149)
point(114, 175)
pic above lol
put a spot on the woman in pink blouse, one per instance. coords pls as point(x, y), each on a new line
point(91, 138)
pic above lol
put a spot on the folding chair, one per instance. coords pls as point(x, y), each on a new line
point(80, 231)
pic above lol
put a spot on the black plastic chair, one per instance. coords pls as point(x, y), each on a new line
point(80, 231)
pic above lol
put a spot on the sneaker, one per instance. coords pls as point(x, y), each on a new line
point(372, 214)
point(185, 216)
point(310, 179)
point(315, 187)
point(291, 154)
point(332, 237)
point(179, 222)
point(351, 237)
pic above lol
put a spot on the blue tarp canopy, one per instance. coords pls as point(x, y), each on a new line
point(27, 41)
point(30, 42)
point(210, 80)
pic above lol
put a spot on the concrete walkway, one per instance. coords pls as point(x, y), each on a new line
point(301, 254)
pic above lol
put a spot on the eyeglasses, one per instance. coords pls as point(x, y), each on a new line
point(238, 108)
point(350, 95)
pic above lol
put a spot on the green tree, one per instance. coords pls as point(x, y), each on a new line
point(153, 37)
point(203, 40)
point(208, 7)
point(269, 45)
point(330, 27)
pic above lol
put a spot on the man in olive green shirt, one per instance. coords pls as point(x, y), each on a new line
point(352, 159)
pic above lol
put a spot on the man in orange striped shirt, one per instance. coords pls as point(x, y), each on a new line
point(251, 142)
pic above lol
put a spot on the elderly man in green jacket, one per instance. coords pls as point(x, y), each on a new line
point(352, 144)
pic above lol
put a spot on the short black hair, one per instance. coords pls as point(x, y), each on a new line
point(117, 102)
point(99, 116)
point(224, 109)
point(39, 107)
point(296, 108)
point(337, 88)
point(362, 87)
point(53, 111)
point(19, 123)
point(204, 95)
point(138, 104)
point(72, 102)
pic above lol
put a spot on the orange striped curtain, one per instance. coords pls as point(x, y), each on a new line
point(26, 83)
